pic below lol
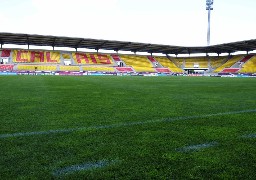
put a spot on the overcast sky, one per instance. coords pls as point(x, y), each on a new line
point(171, 22)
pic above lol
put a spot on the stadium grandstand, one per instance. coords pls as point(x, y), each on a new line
point(24, 61)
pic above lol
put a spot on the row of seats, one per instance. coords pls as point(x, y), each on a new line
point(249, 66)
point(218, 61)
point(25, 56)
point(89, 58)
point(246, 58)
point(139, 63)
point(229, 63)
point(36, 68)
point(5, 53)
point(61, 68)
point(69, 68)
point(152, 59)
point(124, 69)
point(6, 67)
point(100, 69)
point(193, 62)
point(167, 63)
point(230, 70)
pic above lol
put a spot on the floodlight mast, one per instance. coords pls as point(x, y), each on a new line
point(209, 7)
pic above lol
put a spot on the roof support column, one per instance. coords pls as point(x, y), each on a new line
point(27, 41)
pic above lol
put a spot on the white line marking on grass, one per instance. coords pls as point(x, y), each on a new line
point(249, 136)
point(197, 147)
point(81, 167)
point(58, 131)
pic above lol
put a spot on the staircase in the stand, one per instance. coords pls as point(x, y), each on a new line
point(154, 62)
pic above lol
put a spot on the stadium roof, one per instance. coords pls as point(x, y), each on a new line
point(71, 42)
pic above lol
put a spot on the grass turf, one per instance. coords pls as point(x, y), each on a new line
point(41, 103)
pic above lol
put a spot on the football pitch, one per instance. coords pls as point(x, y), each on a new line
point(111, 127)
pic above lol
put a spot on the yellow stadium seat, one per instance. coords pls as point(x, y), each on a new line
point(165, 62)
point(218, 61)
point(66, 56)
point(139, 63)
point(36, 67)
point(229, 63)
point(69, 68)
point(249, 66)
point(27, 56)
point(193, 62)
point(100, 69)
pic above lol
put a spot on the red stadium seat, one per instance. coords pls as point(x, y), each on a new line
point(151, 59)
point(163, 70)
point(246, 58)
point(124, 69)
point(5, 53)
point(230, 70)
point(6, 67)
point(115, 57)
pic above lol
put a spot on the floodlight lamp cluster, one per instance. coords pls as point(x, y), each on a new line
point(209, 4)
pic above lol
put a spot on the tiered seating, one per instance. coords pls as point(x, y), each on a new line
point(229, 63)
point(115, 57)
point(139, 63)
point(218, 61)
point(88, 58)
point(179, 61)
point(163, 70)
point(249, 66)
point(66, 56)
point(6, 67)
point(69, 68)
point(23, 67)
point(230, 70)
point(25, 56)
point(100, 69)
point(29, 60)
point(165, 62)
point(124, 69)
point(152, 59)
point(144, 69)
point(189, 65)
point(196, 62)
point(5, 53)
point(246, 58)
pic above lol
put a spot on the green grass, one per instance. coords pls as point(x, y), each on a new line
point(145, 151)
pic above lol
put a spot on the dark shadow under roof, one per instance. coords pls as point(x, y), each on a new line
point(71, 42)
